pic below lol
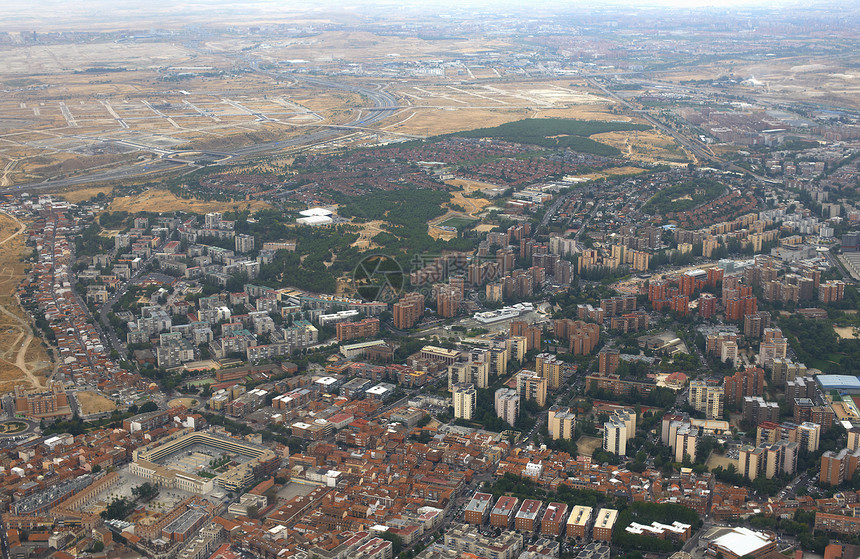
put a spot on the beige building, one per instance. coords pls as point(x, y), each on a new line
point(531, 386)
point(561, 423)
point(465, 398)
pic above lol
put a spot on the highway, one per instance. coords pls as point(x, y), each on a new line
point(697, 148)
point(384, 106)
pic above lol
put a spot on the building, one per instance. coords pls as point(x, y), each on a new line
point(749, 461)
point(604, 523)
point(466, 541)
point(841, 524)
point(779, 458)
point(244, 243)
point(147, 462)
point(831, 291)
point(561, 423)
point(531, 386)
point(478, 510)
point(448, 301)
point(465, 398)
point(756, 410)
point(615, 437)
point(408, 311)
point(51, 403)
point(784, 371)
point(554, 519)
point(734, 543)
point(686, 438)
point(749, 382)
point(707, 397)
point(839, 467)
point(527, 518)
point(476, 370)
point(366, 328)
point(502, 515)
point(550, 368)
point(507, 404)
point(579, 521)
point(608, 361)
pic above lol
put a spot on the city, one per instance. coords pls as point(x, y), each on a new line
point(578, 283)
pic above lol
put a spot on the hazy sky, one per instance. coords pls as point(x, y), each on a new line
point(19, 15)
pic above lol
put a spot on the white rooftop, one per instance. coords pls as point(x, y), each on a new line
point(743, 541)
point(315, 212)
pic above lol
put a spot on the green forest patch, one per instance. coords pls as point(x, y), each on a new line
point(558, 133)
point(684, 196)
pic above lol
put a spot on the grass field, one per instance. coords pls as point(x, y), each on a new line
point(81, 194)
point(163, 201)
point(92, 402)
point(456, 222)
point(587, 445)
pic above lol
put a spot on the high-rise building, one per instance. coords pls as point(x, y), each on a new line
point(707, 305)
point(615, 437)
point(831, 291)
point(465, 398)
point(550, 368)
point(244, 243)
point(475, 371)
point(749, 461)
point(749, 382)
point(686, 439)
point(531, 386)
point(608, 361)
point(707, 397)
point(408, 310)
point(561, 423)
point(448, 301)
point(507, 403)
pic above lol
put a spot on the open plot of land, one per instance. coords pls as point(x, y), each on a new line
point(715, 460)
point(647, 146)
point(587, 445)
point(82, 194)
point(442, 108)
point(155, 200)
point(369, 230)
point(93, 402)
point(187, 402)
point(23, 359)
point(847, 332)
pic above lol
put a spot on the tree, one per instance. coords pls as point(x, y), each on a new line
point(148, 407)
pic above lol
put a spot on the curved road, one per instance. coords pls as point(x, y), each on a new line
point(385, 106)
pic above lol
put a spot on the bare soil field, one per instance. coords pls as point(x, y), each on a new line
point(163, 201)
point(93, 402)
point(368, 230)
point(81, 194)
point(647, 146)
point(847, 332)
point(23, 359)
point(587, 445)
point(715, 460)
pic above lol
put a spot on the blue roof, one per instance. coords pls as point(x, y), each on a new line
point(838, 382)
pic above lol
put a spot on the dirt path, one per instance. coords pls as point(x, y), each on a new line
point(21, 356)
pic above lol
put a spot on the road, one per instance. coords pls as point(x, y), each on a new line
point(104, 323)
point(385, 106)
point(694, 146)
